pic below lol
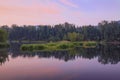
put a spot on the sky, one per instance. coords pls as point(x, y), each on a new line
point(50, 12)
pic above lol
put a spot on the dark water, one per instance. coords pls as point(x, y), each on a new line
point(100, 63)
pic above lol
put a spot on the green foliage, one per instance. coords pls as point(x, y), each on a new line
point(56, 46)
point(72, 36)
point(80, 37)
point(3, 36)
point(65, 37)
point(24, 47)
point(27, 47)
point(63, 46)
point(75, 36)
point(39, 47)
point(31, 47)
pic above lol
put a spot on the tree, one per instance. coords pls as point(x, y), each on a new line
point(3, 35)
point(80, 37)
point(104, 31)
point(72, 36)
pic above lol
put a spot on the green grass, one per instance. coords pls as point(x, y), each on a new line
point(52, 46)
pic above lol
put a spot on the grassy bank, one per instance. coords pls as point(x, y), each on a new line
point(63, 45)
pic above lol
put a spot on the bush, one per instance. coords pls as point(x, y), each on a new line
point(39, 47)
point(63, 46)
point(24, 48)
point(27, 47)
point(71, 45)
point(90, 44)
point(30, 47)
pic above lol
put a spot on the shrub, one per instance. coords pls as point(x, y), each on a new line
point(39, 47)
point(63, 46)
point(27, 47)
point(90, 44)
point(24, 48)
point(30, 47)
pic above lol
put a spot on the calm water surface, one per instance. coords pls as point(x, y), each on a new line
point(100, 63)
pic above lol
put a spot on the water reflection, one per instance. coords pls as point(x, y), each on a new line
point(106, 54)
point(3, 56)
point(109, 54)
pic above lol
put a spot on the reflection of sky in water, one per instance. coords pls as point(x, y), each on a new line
point(53, 69)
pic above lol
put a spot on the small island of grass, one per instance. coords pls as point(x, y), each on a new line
point(61, 45)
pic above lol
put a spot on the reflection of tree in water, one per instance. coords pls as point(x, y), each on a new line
point(61, 55)
point(88, 53)
point(109, 54)
point(3, 56)
point(106, 54)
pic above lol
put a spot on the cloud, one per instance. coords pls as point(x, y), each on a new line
point(69, 3)
point(35, 13)
point(51, 8)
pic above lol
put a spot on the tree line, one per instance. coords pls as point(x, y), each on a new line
point(104, 31)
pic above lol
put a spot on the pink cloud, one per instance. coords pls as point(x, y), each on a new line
point(67, 2)
point(35, 13)
point(47, 9)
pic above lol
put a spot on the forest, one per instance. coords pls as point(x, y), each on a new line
point(104, 31)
